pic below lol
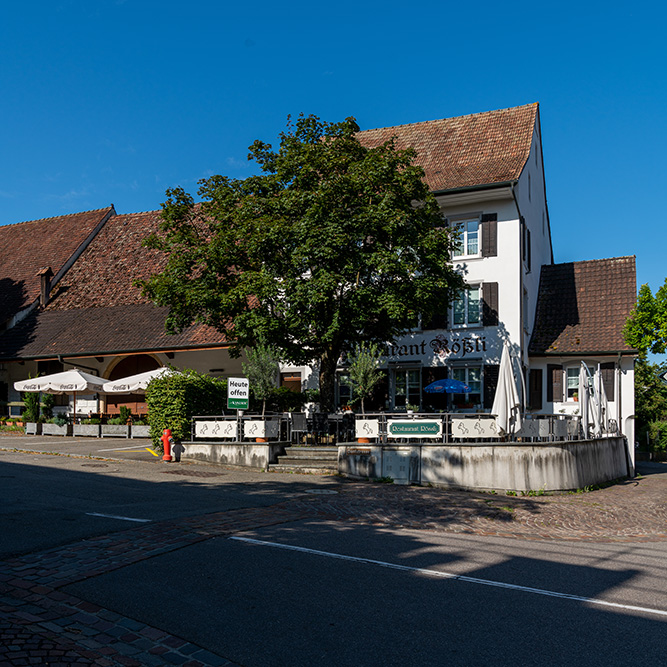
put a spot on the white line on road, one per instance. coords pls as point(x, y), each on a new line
point(119, 449)
point(122, 518)
point(458, 577)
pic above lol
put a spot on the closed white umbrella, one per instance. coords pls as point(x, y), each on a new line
point(134, 383)
point(66, 382)
point(506, 403)
point(602, 403)
point(583, 398)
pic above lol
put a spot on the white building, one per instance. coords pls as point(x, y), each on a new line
point(486, 171)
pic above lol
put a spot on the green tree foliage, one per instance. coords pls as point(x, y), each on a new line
point(173, 399)
point(262, 370)
point(48, 401)
point(650, 404)
point(31, 402)
point(333, 244)
point(646, 328)
point(364, 371)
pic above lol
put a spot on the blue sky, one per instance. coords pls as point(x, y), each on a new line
point(110, 101)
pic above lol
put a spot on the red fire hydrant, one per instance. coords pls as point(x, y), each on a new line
point(167, 440)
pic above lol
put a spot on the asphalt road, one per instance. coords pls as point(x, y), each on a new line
point(319, 589)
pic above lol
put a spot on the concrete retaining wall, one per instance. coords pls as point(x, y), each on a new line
point(500, 466)
point(242, 454)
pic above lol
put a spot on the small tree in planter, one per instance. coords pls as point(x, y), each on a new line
point(364, 371)
point(31, 402)
point(262, 370)
point(48, 401)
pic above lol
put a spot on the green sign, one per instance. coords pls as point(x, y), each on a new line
point(415, 428)
point(238, 393)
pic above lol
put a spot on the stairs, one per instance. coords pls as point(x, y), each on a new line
point(314, 460)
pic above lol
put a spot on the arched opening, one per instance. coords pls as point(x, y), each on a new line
point(139, 363)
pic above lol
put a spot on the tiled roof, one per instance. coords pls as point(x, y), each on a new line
point(104, 274)
point(96, 308)
point(582, 306)
point(99, 331)
point(27, 247)
point(467, 151)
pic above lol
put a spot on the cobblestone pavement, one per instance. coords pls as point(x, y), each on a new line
point(39, 624)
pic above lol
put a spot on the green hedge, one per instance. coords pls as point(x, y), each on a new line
point(173, 399)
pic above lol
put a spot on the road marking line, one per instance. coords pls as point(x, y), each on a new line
point(148, 449)
point(122, 518)
point(458, 577)
point(118, 449)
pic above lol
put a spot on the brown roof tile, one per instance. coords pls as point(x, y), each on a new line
point(28, 247)
point(96, 308)
point(466, 151)
point(104, 273)
point(98, 331)
point(582, 306)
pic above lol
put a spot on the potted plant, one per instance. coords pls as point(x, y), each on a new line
point(139, 428)
point(116, 427)
point(364, 374)
point(57, 425)
point(31, 413)
point(88, 427)
point(262, 370)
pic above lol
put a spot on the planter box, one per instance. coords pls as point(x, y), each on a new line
point(33, 428)
point(54, 429)
point(87, 430)
point(140, 431)
point(115, 431)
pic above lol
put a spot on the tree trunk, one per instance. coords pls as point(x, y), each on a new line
point(328, 364)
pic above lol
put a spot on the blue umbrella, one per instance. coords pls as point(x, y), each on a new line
point(447, 386)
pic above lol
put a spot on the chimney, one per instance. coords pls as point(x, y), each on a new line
point(45, 276)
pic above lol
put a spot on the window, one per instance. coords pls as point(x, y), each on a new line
point(572, 387)
point(407, 387)
point(472, 376)
point(291, 380)
point(466, 308)
point(467, 242)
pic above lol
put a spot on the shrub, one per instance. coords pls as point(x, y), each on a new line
point(92, 420)
point(31, 402)
point(48, 401)
point(125, 413)
point(58, 420)
point(173, 399)
point(658, 436)
point(117, 421)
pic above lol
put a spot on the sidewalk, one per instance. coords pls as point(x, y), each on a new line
point(40, 624)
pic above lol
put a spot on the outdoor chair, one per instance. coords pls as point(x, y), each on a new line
point(299, 427)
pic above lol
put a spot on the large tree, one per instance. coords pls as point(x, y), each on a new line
point(331, 245)
point(646, 328)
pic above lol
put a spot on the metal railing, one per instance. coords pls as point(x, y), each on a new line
point(389, 428)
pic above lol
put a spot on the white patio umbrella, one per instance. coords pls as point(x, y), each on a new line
point(134, 383)
point(72, 382)
point(506, 403)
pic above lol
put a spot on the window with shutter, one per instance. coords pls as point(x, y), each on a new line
point(489, 235)
point(489, 304)
point(535, 389)
point(555, 383)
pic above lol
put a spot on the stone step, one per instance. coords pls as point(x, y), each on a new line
point(313, 468)
point(291, 461)
point(310, 456)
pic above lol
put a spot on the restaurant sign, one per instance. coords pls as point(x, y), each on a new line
point(414, 428)
point(238, 393)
